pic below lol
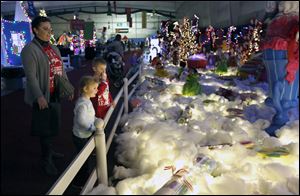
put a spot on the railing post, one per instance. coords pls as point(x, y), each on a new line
point(125, 96)
point(140, 72)
point(100, 144)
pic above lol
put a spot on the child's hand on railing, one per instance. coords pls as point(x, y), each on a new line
point(113, 104)
point(103, 76)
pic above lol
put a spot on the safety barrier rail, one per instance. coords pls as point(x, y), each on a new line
point(97, 141)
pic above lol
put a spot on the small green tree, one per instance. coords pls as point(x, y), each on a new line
point(191, 86)
point(222, 66)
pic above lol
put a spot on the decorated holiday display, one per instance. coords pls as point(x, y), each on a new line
point(197, 126)
point(14, 36)
point(281, 58)
point(65, 39)
point(154, 48)
point(223, 126)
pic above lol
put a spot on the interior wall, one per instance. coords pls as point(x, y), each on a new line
point(222, 13)
point(112, 22)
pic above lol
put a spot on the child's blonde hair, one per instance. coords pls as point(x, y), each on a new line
point(98, 61)
point(86, 81)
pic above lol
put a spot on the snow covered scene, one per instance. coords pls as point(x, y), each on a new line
point(167, 133)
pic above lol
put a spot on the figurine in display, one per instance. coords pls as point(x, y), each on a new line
point(281, 59)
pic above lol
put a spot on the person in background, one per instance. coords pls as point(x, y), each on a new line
point(41, 62)
point(83, 122)
point(103, 36)
point(129, 44)
point(117, 45)
point(103, 99)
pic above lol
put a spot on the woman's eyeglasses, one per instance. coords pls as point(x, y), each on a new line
point(47, 30)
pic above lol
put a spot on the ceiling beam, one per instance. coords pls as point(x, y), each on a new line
point(50, 13)
point(79, 7)
point(62, 11)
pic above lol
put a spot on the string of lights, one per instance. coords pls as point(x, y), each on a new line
point(15, 35)
point(188, 43)
point(24, 10)
point(243, 44)
point(229, 34)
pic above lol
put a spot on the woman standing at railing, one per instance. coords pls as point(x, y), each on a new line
point(41, 62)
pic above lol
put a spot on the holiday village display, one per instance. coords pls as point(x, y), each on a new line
point(185, 111)
point(14, 36)
point(207, 127)
point(166, 127)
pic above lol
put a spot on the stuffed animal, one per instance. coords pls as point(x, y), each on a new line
point(281, 59)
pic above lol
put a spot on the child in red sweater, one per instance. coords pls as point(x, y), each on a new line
point(103, 99)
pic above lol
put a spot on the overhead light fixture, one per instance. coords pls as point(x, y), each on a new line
point(76, 15)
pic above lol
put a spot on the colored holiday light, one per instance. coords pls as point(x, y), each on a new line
point(24, 10)
point(15, 34)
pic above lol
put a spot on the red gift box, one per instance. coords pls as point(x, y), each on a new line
point(198, 63)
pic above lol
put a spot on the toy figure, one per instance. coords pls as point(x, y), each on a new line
point(281, 58)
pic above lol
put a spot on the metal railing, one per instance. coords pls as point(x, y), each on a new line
point(97, 141)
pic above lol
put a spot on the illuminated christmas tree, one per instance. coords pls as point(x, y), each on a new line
point(187, 42)
point(251, 41)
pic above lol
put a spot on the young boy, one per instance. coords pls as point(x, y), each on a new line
point(83, 123)
point(103, 99)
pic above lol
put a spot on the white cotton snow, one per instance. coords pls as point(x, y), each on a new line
point(121, 172)
point(102, 189)
point(152, 139)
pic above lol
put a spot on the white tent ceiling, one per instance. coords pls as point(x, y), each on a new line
point(8, 7)
point(216, 13)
